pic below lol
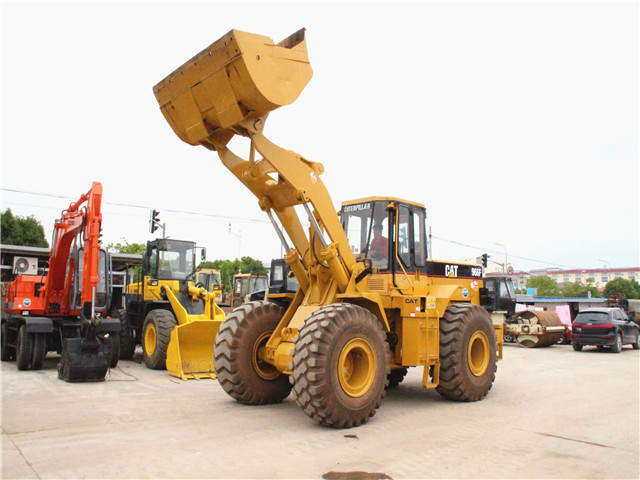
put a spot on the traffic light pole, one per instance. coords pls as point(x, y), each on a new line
point(154, 223)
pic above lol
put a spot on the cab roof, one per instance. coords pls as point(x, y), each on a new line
point(374, 199)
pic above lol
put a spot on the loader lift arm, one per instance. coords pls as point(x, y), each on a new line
point(243, 111)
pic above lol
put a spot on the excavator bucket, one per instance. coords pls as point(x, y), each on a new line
point(190, 350)
point(240, 76)
point(84, 360)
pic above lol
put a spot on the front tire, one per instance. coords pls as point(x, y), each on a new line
point(576, 347)
point(156, 335)
point(115, 349)
point(468, 359)
point(127, 335)
point(8, 353)
point(24, 348)
point(340, 365)
point(239, 368)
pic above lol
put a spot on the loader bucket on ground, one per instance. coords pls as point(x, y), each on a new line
point(84, 360)
point(190, 351)
point(241, 75)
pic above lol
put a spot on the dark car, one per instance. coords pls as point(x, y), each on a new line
point(604, 327)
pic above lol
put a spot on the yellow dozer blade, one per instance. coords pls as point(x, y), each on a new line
point(242, 76)
point(190, 351)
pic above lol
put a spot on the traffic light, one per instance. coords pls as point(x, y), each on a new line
point(154, 220)
point(485, 260)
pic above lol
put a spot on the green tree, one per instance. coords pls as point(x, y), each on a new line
point(577, 289)
point(545, 285)
point(24, 231)
point(629, 288)
point(130, 248)
point(228, 268)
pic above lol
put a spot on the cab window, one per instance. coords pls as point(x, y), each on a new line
point(404, 249)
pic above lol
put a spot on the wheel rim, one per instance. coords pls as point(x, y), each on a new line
point(478, 353)
point(264, 370)
point(356, 367)
point(150, 337)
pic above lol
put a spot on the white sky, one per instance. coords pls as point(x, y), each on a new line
point(514, 123)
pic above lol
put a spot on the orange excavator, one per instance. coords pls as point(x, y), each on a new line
point(64, 309)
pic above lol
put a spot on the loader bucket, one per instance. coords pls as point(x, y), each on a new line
point(240, 76)
point(84, 360)
point(190, 351)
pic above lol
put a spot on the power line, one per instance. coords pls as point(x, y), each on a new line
point(227, 218)
point(498, 252)
point(170, 210)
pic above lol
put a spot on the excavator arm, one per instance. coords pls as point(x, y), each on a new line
point(78, 219)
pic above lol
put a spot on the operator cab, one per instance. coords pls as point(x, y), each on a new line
point(168, 259)
point(210, 281)
point(102, 289)
point(498, 295)
point(281, 279)
point(388, 232)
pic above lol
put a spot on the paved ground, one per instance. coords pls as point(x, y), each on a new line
point(552, 413)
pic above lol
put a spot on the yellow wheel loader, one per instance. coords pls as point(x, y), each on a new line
point(175, 320)
point(369, 303)
point(245, 286)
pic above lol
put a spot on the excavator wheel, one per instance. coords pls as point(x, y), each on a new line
point(156, 334)
point(8, 353)
point(340, 365)
point(468, 356)
point(39, 350)
point(127, 337)
point(237, 355)
point(396, 377)
point(23, 348)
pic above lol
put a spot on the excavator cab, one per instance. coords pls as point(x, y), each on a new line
point(103, 288)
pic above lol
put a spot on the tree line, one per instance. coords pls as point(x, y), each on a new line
point(547, 287)
point(28, 231)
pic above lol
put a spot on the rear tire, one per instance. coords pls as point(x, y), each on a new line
point(395, 377)
point(468, 358)
point(39, 350)
point(239, 369)
point(24, 346)
point(127, 335)
point(8, 353)
point(576, 347)
point(156, 335)
point(636, 344)
point(340, 365)
point(617, 347)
